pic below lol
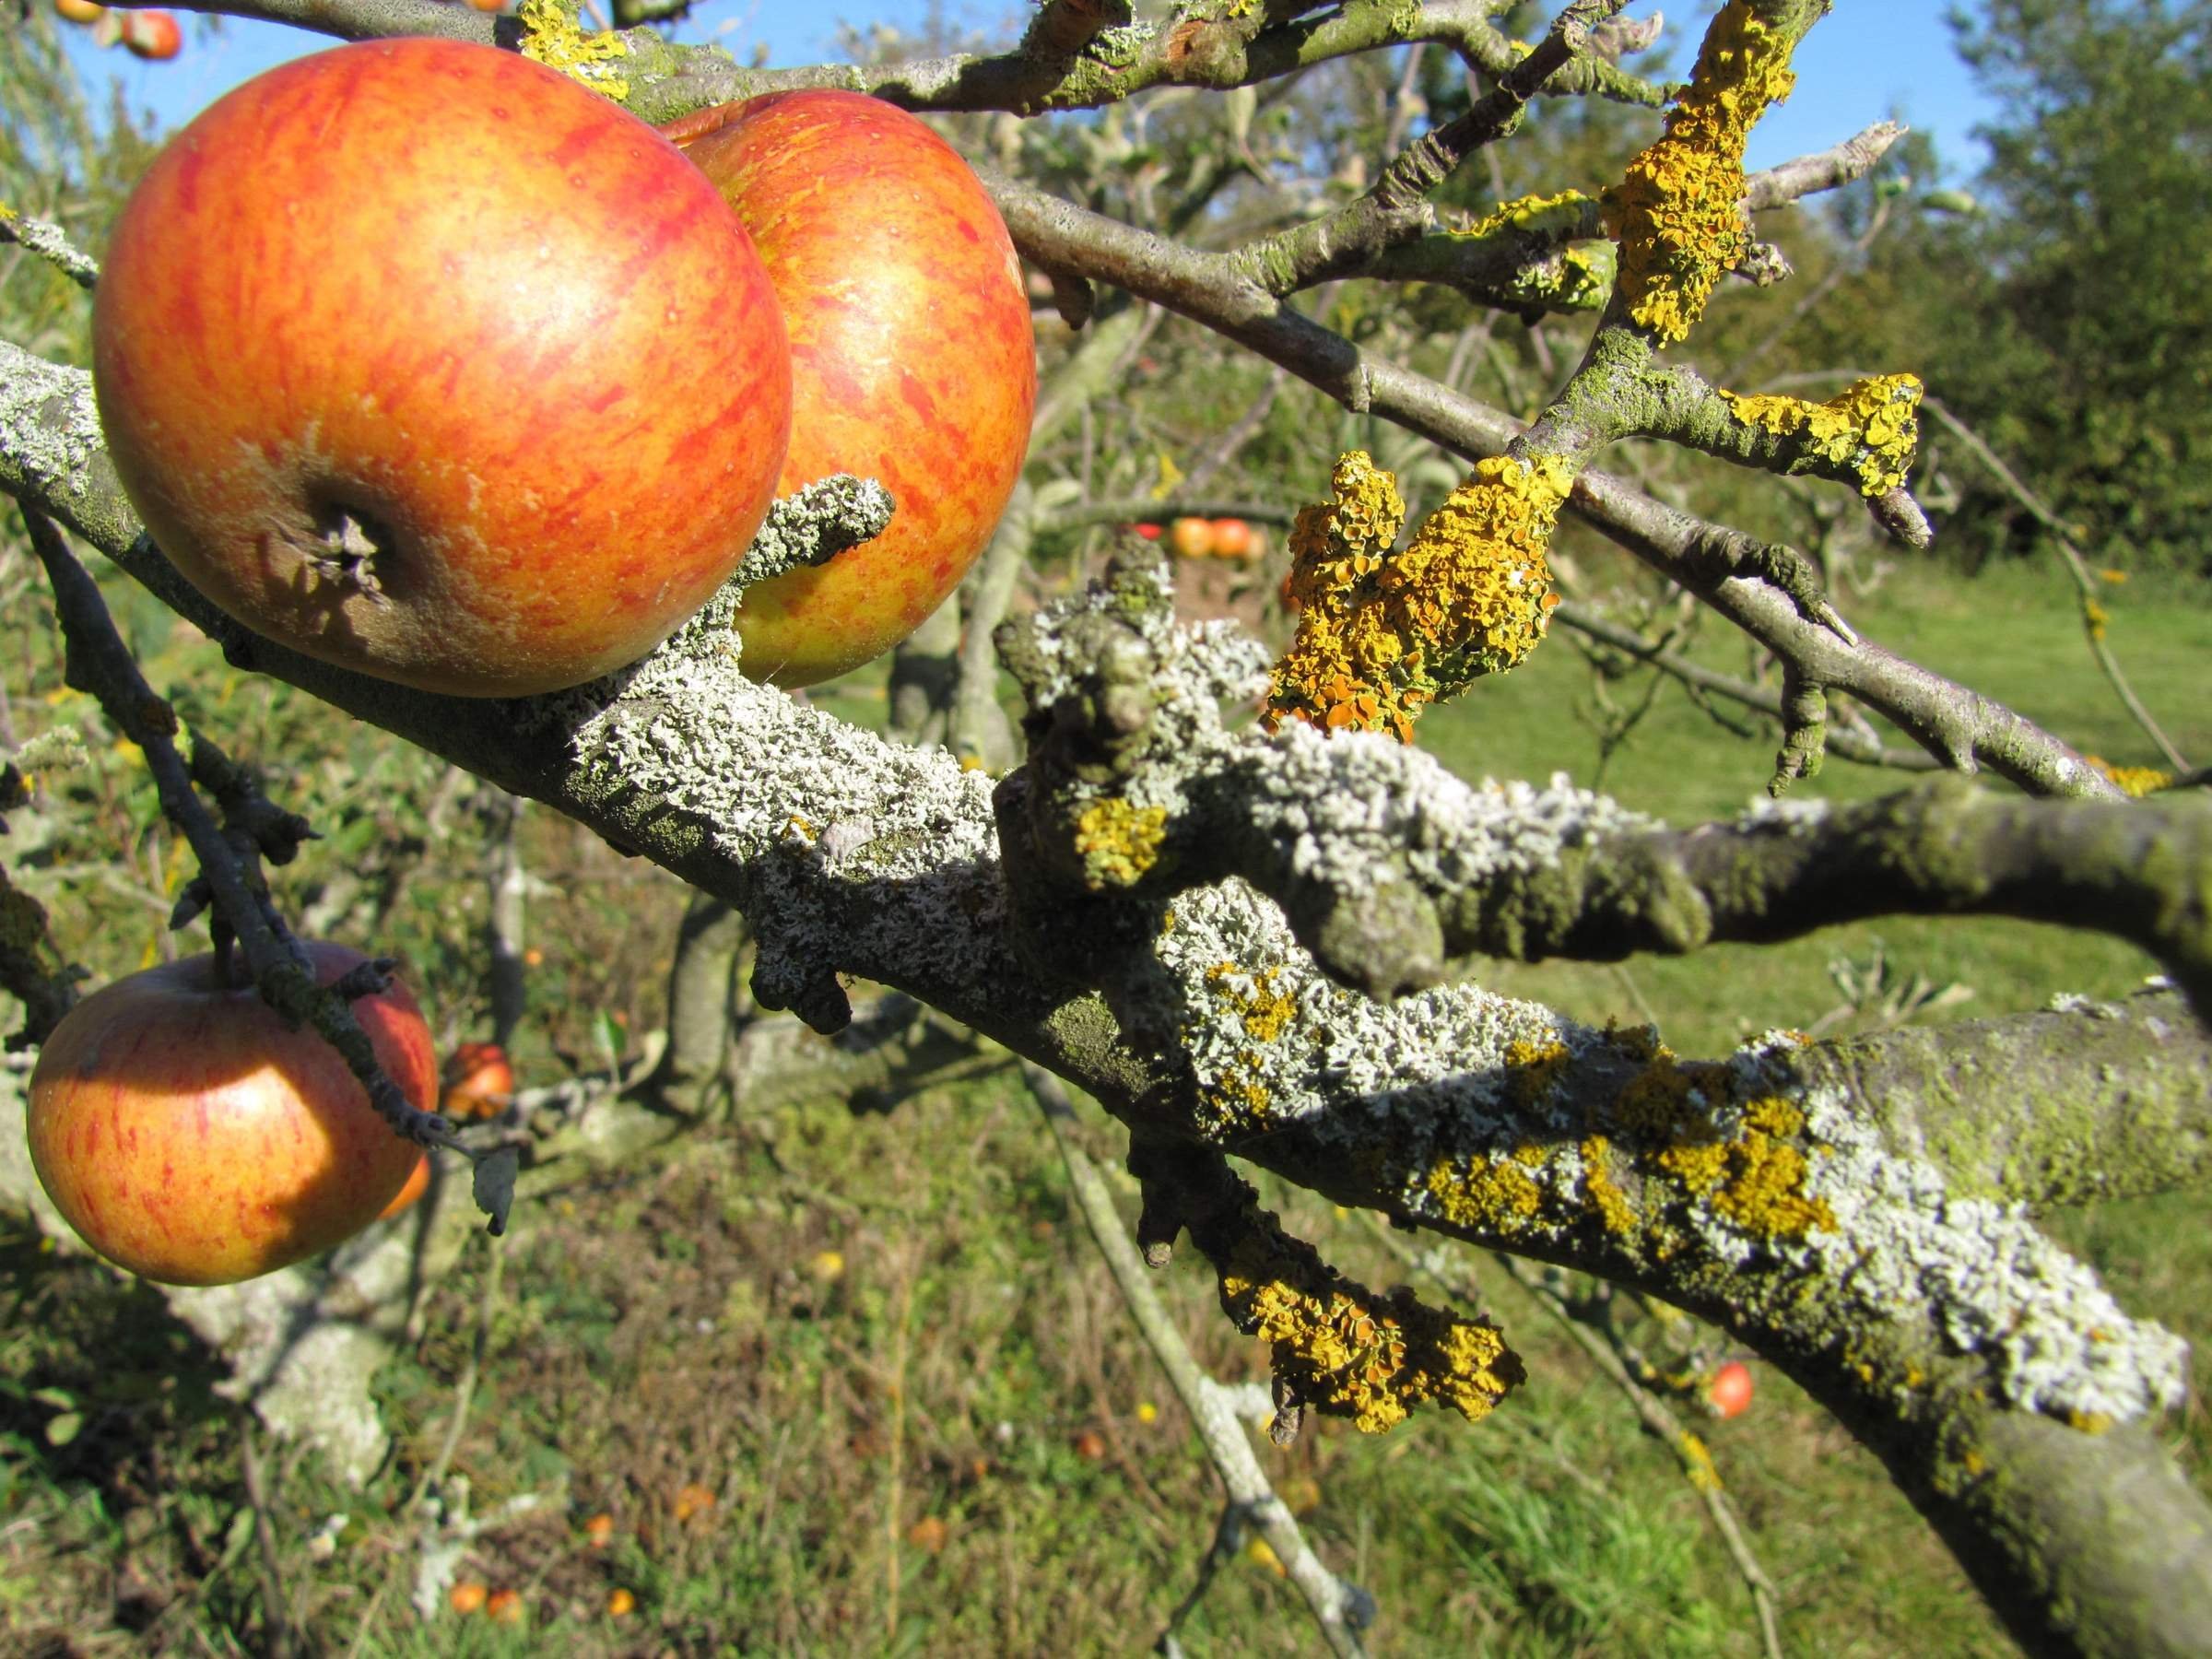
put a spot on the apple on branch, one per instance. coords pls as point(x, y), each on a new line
point(189, 1135)
point(911, 356)
point(420, 358)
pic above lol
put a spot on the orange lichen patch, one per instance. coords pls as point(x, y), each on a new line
point(1872, 426)
point(1347, 1352)
point(1757, 1180)
point(2137, 781)
point(1678, 213)
point(1614, 1211)
point(1381, 635)
point(1119, 841)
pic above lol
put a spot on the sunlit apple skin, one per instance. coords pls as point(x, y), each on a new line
point(418, 1183)
point(912, 359)
point(444, 289)
point(189, 1135)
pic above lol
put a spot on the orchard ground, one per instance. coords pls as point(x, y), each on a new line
point(883, 1343)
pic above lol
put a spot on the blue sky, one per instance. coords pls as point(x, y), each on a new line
point(1867, 59)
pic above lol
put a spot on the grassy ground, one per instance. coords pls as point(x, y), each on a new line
point(887, 1355)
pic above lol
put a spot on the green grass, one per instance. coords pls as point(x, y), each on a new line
point(966, 1361)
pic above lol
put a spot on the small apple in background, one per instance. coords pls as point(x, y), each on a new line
point(188, 1135)
point(1729, 1392)
point(479, 1081)
point(152, 34)
point(77, 11)
point(419, 1183)
point(1232, 538)
point(479, 388)
point(1149, 532)
point(911, 357)
point(1191, 537)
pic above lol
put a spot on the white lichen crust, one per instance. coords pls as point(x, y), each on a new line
point(2053, 1338)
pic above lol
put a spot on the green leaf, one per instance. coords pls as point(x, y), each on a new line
point(494, 1186)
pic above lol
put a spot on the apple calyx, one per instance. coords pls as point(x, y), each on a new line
point(350, 544)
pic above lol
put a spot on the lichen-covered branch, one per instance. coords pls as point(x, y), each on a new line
point(1054, 68)
point(1934, 1321)
point(1760, 588)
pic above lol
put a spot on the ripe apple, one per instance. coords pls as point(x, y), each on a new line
point(152, 34)
point(422, 359)
point(419, 1183)
point(479, 1081)
point(1191, 537)
point(1149, 532)
point(1730, 1390)
point(911, 356)
point(1232, 538)
point(78, 11)
point(190, 1135)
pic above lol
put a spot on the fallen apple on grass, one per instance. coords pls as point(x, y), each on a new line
point(420, 359)
point(1729, 1392)
point(911, 356)
point(190, 1135)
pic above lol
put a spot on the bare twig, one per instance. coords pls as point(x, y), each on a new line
point(1339, 1609)
point(276, 1623)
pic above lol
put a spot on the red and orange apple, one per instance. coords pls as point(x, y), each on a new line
point(189, 1135)
point(911, 356)
point(420, 358)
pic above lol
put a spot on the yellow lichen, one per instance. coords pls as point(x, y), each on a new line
point(1614, 1211)
point(552, 36)
point(1119, 841)
point(1870, 427)
point(1489, 1194)
point(1678, 213)
point(1381, 635)
point(2137, 781)
point(1666, 1097)
point(1531, 1068)
point(1697, 1462)
point(1560, 215)
point(1266, 1012)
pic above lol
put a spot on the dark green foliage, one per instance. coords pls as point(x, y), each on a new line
point(2080, 337)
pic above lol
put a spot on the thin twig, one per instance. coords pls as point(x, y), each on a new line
point(2076, 565)
point(277, 1626)
point(98, 662)
point(1341, 1610)
point(465, 1391)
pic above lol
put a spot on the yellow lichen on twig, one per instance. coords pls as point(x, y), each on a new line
point(1678, 212)
point(552, 36)
point(1118, 842)
point(1383, 634)
point(1348, 1352)
point(1871, 427)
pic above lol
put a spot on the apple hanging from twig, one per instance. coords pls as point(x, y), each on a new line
point(912, 359)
